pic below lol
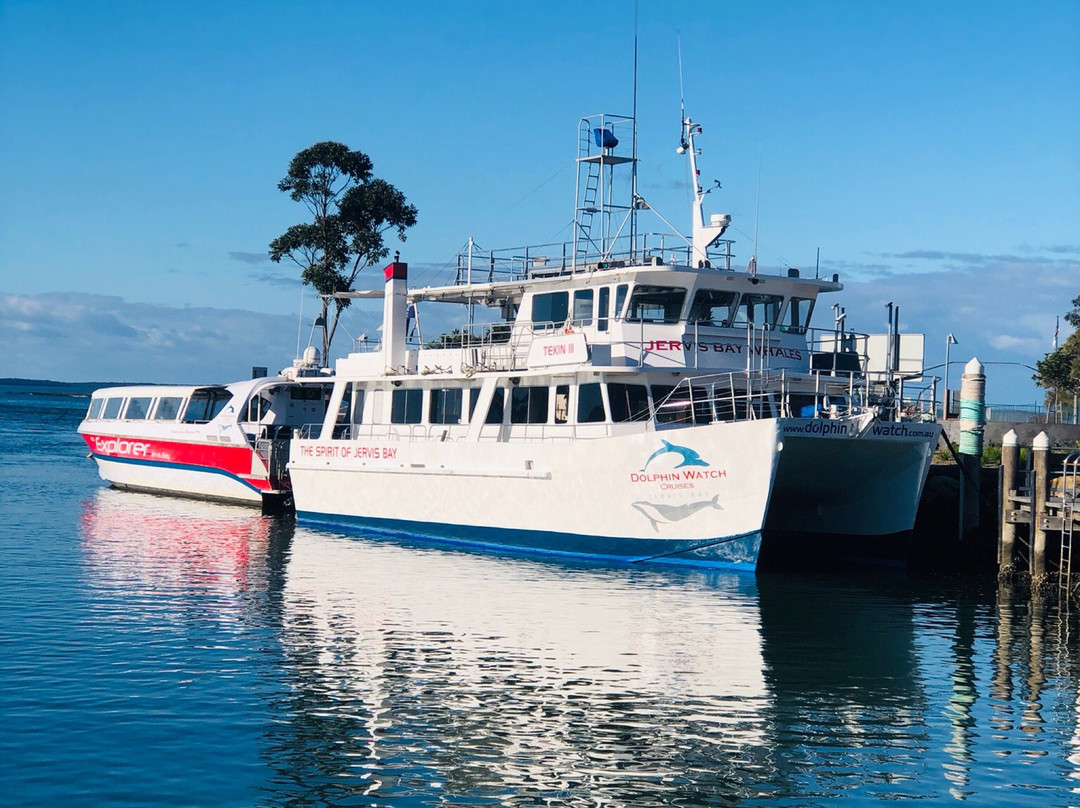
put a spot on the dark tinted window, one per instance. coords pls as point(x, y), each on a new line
point(205, 404)
point(629, 402)
point(406, 406)
point(713, 307)
point(551, 309)
point(528, 405)
point(495, 410)
point(445, 406)
point(590, 404)
point(656, 304)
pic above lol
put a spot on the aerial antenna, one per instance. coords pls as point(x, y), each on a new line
point(682, 94)
point(757, 216)
point(633, 165)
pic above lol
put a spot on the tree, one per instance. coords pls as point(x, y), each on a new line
point(1058, 372)
point(351, 210)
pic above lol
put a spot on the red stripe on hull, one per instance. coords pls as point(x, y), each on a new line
point(235, 460)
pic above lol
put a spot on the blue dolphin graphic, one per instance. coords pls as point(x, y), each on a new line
point(688, 455)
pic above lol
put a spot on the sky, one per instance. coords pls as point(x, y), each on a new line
point(930, 151)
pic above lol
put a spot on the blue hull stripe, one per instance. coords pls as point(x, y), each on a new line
point(178, 467)
point(735, 552)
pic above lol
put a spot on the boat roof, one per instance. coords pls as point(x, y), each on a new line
point(496, 292)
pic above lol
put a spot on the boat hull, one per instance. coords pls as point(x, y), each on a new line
point(711, 495)
point(179, 468)
point(675, 497)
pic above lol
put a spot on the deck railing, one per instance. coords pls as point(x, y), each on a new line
point(477, 265)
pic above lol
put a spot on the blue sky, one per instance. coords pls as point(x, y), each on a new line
point(930, 150)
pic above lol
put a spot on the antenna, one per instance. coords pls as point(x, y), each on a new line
point(682, 94)
point(757, 211)
point(633, 165)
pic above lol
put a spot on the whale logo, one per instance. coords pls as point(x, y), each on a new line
point(658, 513)
point(688, 455)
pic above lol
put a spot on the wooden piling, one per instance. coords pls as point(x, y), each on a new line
point(1040, 452)
point(1010, 456)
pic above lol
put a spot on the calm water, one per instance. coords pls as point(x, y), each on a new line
point(162, 652)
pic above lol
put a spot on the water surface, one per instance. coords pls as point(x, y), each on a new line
point(165, 652)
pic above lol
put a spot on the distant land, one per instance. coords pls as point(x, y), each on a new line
point(11, 382)
point(48, 387)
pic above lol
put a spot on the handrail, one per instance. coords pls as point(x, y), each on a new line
point(558, 258)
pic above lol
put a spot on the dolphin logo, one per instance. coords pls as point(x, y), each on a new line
point(688, 455)
point(658, 513)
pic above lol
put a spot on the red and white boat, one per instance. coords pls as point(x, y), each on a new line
point(225, 442)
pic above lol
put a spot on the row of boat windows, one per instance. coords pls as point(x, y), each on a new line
point(665, 304)
point(200, 407)
point(542, 404)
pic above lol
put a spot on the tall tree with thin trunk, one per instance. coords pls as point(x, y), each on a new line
point(1058, 373)
point(351, 211)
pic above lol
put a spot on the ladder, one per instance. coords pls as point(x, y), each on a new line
point(1070, 480)
point(587, 211)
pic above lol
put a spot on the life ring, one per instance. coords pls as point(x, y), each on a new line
point(568, 330)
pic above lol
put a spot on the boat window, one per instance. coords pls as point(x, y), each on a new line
point(758, 310)
point(590, 404)
point(562, 403)
point(603, 300)
point(138, 408)
point(797, 318)
point(495, 410)
point(550, 310)
point(111, 411)
point(656, 304)
point(257, 408)
point(306, 393)
point(681, 404)
point(345, 412)
point(205, 405)
point(474, 396)
point(444, 406)
point(629, 402)
point(713, 307)
point(529, 405)
point(620, 299)
point(583, 300)
point(407, 406)
point(168, 408)
point(95, 408)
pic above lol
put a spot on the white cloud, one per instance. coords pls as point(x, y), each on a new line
point(76, 337)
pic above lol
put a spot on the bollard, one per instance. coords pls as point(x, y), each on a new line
point(1040, 453)
point(972, 419)
point(1010, 455)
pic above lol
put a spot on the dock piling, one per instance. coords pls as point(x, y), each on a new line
point(972, 421)
point(1040, 450)
point(1010, 455)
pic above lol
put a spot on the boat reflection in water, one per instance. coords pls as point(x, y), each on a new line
point(422, 670)
point(327, 669)
point(163, 552)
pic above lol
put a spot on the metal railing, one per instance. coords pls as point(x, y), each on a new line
point(514, 264)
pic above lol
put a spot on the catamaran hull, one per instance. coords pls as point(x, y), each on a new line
point(181, 468)
point(704, 495)
point(847, 500)
point(689, 496)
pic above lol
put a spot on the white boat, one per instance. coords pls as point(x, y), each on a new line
point(631, 397)
point(221, 442)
